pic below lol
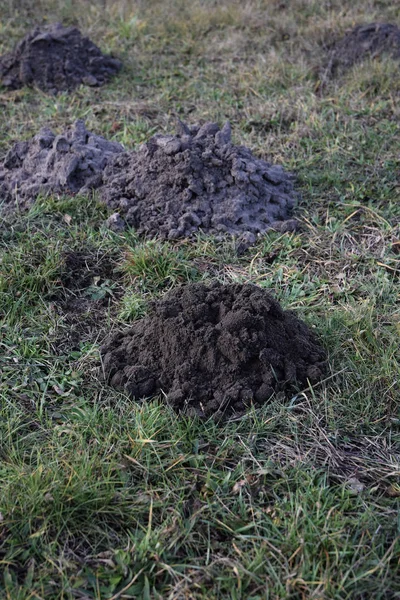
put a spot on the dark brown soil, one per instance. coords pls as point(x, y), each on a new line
point(83, 268)
point(214, 350)
point(197, 180)
point(69, 163)
point(56, 58)
point(364, 41)
point(90, 283)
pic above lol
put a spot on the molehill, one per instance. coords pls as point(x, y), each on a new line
point(56, 58)
point(364, 41)
point(214, 350)
point(197, 180)
point(68, 163)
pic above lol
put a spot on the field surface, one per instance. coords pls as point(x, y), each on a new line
point(103, 498)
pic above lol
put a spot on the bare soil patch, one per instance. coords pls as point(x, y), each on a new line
point(90, 285)
point(82, 268)
point(56, 58)
point(214, 350)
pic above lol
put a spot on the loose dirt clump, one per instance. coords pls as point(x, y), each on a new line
point(364, 41)
point(214, 350)
point(69, 163)
point(175, 186)
point(56, 58)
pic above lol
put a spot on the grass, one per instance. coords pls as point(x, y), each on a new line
point(154, 265)
point(104, 498)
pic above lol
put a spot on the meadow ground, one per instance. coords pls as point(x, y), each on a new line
point(104, 498)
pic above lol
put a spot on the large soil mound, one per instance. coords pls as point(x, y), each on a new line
point(68, 163)
point(362, 42)
point(214, 350)
point(56, 58)
point(175, 186)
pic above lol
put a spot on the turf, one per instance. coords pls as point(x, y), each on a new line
point(104, 498)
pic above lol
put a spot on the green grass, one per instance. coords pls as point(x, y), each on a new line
point(154, 265)
point(104, 498)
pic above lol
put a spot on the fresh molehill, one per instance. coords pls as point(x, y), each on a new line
point(56, 58)
point(364, 41)
point(214, 350)
point(197, 180)
point(68, 163)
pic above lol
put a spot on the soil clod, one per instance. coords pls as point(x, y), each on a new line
point(70, 163)
point(214, 350)
point(197, 180)
point(56, 58)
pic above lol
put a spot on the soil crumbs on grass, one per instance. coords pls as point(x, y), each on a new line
point(56, 58)
point(214, 350)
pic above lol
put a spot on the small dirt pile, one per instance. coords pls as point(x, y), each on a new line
point(364, 41)
point(175, 186)
point(56, 58)
point(214, 350)
point(68, 163)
